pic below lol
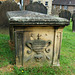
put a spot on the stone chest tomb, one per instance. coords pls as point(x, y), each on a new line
point(37, 37)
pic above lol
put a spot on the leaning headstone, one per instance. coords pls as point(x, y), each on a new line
point(36, 7)
point(6, 6)
point(73, 19)
point(65, 14)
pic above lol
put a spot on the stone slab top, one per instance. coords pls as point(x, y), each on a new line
point(33, 18)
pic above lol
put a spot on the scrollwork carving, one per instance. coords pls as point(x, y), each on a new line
point(47, 50)
point(29, 52)
point(38, 46)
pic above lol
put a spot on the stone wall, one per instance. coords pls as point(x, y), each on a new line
point(71, 8)
point(56, 10)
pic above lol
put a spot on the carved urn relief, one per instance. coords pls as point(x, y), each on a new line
point(39, 46)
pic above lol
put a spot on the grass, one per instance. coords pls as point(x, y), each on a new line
point(5, 53)
point(4, 50)
point(67, 51)
point(67, 57)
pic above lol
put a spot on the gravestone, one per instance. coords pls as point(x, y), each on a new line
point(65, 14)
point(0, 2)
point(4, 7)
point(37, 37)
point(73, 19)
point(36, 7)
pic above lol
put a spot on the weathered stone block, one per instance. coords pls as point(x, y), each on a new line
point(37, 37)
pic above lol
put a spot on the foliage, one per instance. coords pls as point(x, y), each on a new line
point(34, 71)
point(6, 55)
point(20, 71)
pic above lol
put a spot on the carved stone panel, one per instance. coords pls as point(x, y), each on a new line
point(38, 45)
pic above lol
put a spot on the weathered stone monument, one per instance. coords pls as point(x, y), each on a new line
point(36, 7)
point(4, 7)
point(65, 14)
point(37, 37)
point(73, 19)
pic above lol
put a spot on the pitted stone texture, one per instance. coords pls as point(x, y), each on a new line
point(29, 17)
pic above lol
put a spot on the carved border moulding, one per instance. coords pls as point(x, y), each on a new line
point(38, 46)
point(19, 44)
